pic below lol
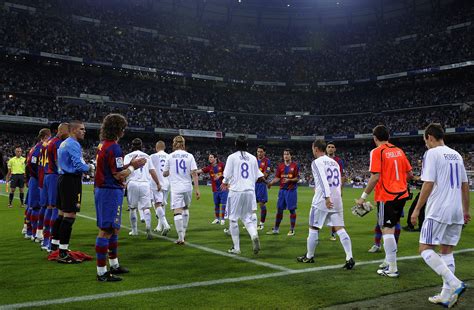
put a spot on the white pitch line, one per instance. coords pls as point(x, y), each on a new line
point(202, 248)
point(213, 251)
point(40, 303)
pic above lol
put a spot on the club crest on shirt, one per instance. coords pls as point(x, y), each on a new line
point(119, 162)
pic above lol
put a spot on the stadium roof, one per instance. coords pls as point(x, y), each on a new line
point(303, 12)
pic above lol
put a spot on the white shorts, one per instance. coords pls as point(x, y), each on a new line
point(240, 205)
point(138, 195)
point(436, 233)
point(181, 200)
point(318, 218)
point(157, 196)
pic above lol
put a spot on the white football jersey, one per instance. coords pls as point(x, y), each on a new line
point(445, 167)
point(327, 183)
point(159, 161)
point(241, 172)
point(141, 174)
point(180, 164)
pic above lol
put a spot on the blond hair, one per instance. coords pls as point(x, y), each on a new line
point(178, 143)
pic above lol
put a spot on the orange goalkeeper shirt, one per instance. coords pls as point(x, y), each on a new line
point(392, 165)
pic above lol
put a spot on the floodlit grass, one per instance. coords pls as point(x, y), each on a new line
point(26, 275)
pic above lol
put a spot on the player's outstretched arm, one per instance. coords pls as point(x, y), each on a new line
point(374, 178)
point(273, 182)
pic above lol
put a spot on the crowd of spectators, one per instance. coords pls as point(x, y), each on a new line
point(115, 41)
point(403, 105)
point(355, 156)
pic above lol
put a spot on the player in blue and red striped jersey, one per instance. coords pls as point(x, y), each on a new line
point(43, 166)
point(261, 186)
point(50, 185)
point(110, 175)
point(331, 152)
point(287, 174)
point(216, 170)
point(32, 166)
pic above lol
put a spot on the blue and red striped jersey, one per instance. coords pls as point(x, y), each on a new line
point(216, 173)
point(109, 161)
point(52, 155)
point(288, 172)
point(33, 160)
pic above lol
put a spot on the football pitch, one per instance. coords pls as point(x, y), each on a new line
point(202, 274)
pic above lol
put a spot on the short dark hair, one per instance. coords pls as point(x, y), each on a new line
point(241, 143)
point(329, 142)
point(435, 130)
point(261, 146)
point(54, 127)
point(381, 133)
point(320, 145)
point(215, 155)
point(289, 151)
point(137, 144)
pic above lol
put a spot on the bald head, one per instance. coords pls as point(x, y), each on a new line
point(160, 146)
point(63, 130)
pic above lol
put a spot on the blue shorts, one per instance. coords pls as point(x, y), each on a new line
point(33, 195)
point(220, 198)
point(51, 188)
point(43, 196)
point(287, 199)
point(261, 192)
point(108, 207)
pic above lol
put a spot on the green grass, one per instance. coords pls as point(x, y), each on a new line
point(26, 275)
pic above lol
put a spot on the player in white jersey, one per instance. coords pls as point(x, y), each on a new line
point(326, 207)
point(445, 191)
point(240, 174)
point(181, 169)
point(138, 187)
point(159, 197)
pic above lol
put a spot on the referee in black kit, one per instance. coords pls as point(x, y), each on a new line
point(71, 166)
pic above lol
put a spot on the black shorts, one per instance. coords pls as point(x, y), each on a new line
point(17, 180)
point(69, 193)
point(389, 212)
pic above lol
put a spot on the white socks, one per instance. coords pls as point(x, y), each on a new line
point(160, 212)
point(178, 223)
point(147, 216)
point(439, 266)
point(234, 232)
point(251, 226)
point(133, 220)
point(390, 247)
point(449, 260)
point(113, 262)
point(312, 242)
point(185, 219)
point(140, 211)
point(346, 242)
